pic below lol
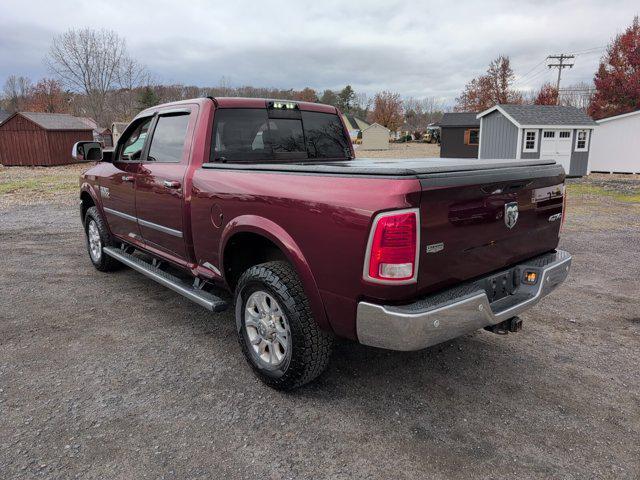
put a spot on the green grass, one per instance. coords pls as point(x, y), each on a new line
point(44, 184)
point(632, 196)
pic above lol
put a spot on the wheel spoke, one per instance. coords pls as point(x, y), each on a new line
point(255, 340)
point(273, 360)
point(265, 303)
point(251, 317)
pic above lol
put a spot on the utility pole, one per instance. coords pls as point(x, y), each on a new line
point(560, 65)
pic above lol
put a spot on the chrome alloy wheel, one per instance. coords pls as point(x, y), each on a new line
point(95, 242)
point(267, 330)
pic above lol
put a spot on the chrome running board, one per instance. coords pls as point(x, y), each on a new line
point(206, 299)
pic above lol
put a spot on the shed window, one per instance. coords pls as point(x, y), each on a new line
point(471, 136)
point(565, 134)
point(581, 141)
point(530, 140)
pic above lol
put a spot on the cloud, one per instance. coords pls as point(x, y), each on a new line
point(413, 48)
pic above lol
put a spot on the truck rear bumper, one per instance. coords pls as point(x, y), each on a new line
point(459, 310)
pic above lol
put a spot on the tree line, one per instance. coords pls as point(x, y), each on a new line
point(93, 75)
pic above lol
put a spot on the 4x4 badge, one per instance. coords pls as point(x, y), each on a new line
point(510, 214)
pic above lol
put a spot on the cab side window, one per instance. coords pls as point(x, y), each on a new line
point(167, 143)
point(134, 143)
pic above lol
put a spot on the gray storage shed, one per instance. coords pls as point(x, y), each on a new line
point(459, 135)
point(526, 132)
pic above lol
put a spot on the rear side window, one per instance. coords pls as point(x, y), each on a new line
point(324, 135)
point(250, 135)
point(167, 143)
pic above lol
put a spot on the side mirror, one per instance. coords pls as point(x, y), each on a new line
point(87, 152)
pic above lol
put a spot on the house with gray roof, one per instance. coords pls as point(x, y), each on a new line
point(526, 132)
point(459, 135)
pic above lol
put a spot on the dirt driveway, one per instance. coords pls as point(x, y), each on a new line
point(111, 376)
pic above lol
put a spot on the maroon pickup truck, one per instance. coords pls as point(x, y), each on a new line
point(265, 200)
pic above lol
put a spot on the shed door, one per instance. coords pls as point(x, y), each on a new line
point(556, 145)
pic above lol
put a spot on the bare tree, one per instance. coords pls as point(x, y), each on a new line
point(124, 100)
point(419, 113)
point(578, 95)
point(16, 92)
point(91, 62)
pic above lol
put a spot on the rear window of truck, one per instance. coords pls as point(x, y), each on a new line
point(257, 135)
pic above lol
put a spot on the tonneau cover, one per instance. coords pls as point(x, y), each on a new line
point(415, 167)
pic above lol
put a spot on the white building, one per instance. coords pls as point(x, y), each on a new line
point(375, 137)
point(615, 146)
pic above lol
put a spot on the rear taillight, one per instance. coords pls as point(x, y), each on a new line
point(392, 251)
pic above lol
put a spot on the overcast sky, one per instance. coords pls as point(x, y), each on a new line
point(416, 48)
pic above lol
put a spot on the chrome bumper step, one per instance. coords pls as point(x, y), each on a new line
point(206, 299)
point(458, 310)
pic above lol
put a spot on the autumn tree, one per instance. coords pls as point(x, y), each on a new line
point(387, 110)
point(487, 90)
point(306, 95)
point(617, 80)
point(16, 92)
point(547, 95)
point(47, 96)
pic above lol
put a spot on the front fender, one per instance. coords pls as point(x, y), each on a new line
point(92, 190)
point(279, 236)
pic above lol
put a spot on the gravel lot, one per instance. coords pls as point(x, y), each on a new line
point(112, 376)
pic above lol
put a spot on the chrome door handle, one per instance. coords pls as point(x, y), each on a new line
point(171, 184)
point(127, 178)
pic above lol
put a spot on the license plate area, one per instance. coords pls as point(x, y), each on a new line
point(501, 285)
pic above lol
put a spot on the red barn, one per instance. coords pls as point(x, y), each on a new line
point(29, 139)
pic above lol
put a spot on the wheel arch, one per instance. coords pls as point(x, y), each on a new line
point(88, 199)
point(268, 234)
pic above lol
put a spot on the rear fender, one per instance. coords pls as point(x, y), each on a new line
point(276, 234)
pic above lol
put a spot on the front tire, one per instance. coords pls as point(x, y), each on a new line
point(277, 333)
point(98, 237)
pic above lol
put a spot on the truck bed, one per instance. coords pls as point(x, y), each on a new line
point(405, 167)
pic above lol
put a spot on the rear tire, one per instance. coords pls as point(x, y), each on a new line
point(277, 332)
point(98, 237)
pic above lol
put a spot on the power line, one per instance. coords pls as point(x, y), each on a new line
point(533, 78)
point(589, 50)
point(523, 77)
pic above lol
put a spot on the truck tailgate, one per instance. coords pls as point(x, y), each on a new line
point(473, 223)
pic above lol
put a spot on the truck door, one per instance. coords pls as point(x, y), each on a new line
point(117, 190)
point(160, 182)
